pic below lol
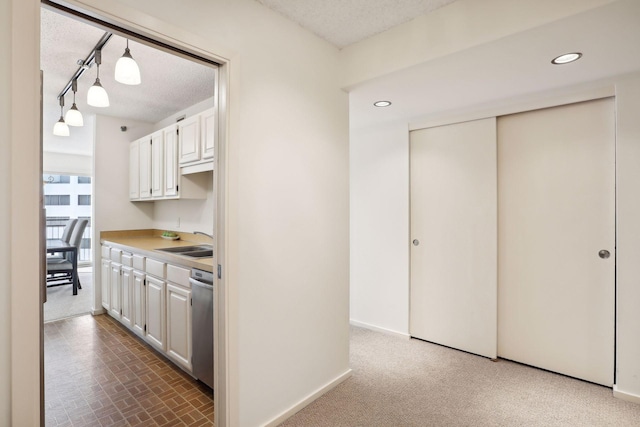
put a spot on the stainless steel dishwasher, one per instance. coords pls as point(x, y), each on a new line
point(202, 325)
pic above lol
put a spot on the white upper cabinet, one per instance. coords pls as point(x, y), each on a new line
point(189, 139)
point(170, 161)
point(134, 170)
point(145, 168)
point(208, 133)
point(167, 163)
point(157, 165)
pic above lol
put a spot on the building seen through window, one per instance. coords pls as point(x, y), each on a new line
point(67, 197)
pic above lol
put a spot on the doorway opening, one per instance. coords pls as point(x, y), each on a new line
point(175, 84)
point(67, 197)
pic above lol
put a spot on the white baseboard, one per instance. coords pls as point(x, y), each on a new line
point(629, 397)
point(307, 400)
point(95, 312)
point(379, 329)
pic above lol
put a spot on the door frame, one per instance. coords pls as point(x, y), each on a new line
point(193, 47)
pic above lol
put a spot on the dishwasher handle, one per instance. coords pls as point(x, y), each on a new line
point(200, 284)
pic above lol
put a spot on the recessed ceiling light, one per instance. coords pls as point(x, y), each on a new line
point(566, 58)
point(382, 103)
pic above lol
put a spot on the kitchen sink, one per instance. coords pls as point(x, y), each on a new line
point(197, 251)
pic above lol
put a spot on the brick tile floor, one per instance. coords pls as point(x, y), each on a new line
point(97, 373)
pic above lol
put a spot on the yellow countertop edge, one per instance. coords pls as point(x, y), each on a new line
point(145, 242)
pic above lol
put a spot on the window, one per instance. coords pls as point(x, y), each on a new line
point(84, 180)
point(56, 179)
point(84, 200)
point(57, 200)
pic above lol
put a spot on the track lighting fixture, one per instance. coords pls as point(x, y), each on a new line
point(74, 116)
point(61, 128)
point(127, 71)
point(97, 95)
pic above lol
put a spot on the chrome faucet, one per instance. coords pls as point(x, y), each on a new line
point(204, 234)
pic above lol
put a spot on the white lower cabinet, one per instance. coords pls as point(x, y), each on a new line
point(126, 310)
point(139, 303)
point(152, 298)
point(156, 312)
point(105, 284)
point(116, 285)
point(179, 324)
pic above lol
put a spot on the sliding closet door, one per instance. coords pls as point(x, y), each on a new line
point(453, 233)
point(556, 239)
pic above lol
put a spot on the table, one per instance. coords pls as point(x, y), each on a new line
point(55, 246)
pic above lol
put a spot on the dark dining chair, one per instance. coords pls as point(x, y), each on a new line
point(68, 229)
point(66, 236)
point(61, 270)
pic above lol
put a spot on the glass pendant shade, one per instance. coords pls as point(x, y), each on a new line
point(97, 96)
point(73, 116)
point(127, 71)
point(61, 128)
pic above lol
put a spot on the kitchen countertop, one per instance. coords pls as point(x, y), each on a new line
point(146, 242)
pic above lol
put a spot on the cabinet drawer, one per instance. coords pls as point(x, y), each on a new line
point(138, 262)
point(178, 275)
point(127, 259)
point(116, 255)
point(106, 252)
point(156, 268)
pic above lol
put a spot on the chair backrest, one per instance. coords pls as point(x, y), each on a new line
point(76, 235)
point(68, 229)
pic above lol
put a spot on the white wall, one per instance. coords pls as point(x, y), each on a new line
point(287, 259)
point(19, 212)
point(112, 209)
point(379, 227)
point(5, 213)
point(68, 164)
point(187, 215)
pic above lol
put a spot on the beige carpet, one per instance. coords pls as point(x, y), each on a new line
point(398, 382)
point(61, 302)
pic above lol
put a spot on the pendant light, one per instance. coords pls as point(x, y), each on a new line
point(74, 116)
point(61, 128)
point(127, 71)
point(97, 96)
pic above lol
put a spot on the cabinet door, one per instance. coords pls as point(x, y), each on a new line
point(145, 168)
point(134, 170)
point(126, 297)
point(189, 139)
point(179, 325)
point(116, 286)
point(208, 134)
point(171, 161)
point(105, 284)
point(157, 165)
point(156, 312)
point(139, 304)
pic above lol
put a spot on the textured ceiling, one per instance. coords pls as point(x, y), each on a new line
point(169, 83)
point(343, 22)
